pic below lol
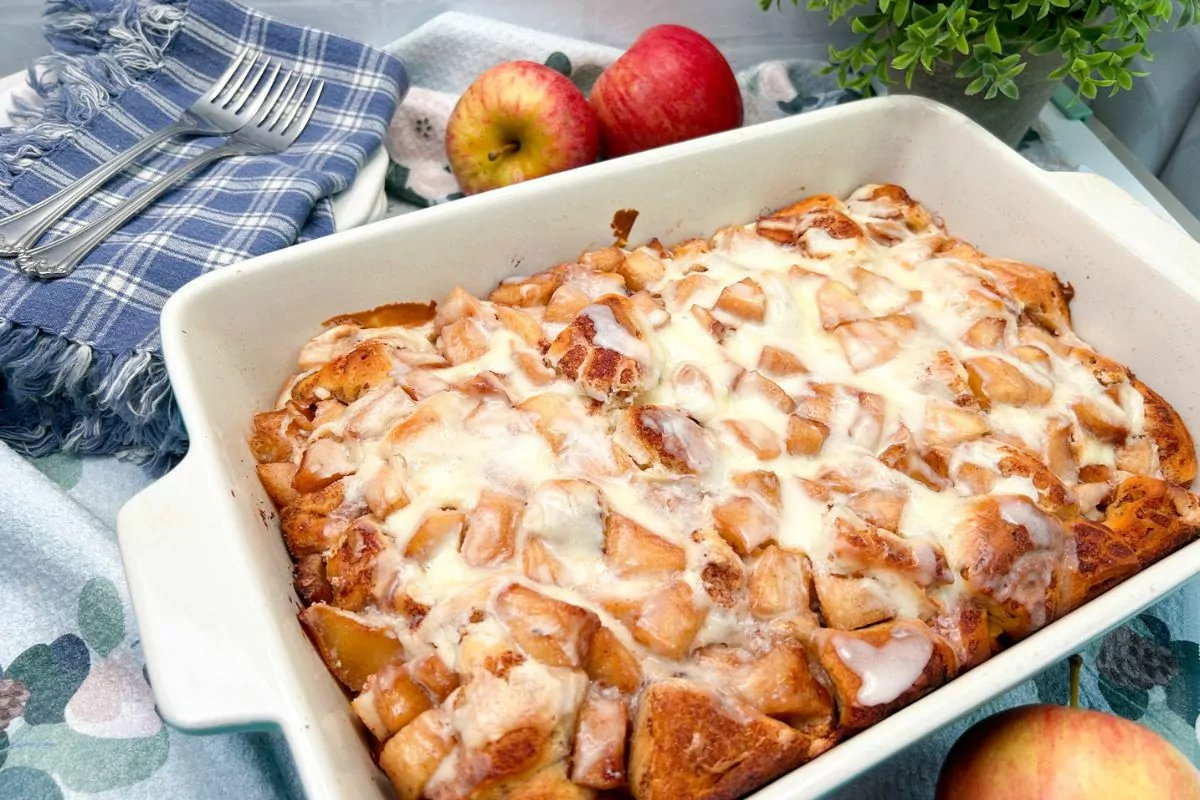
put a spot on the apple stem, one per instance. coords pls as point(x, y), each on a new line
point(1075, 662)
point(511, 147)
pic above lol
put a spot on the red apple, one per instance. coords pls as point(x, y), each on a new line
point(672, 85)
point(1061, 753)
point(519, 121)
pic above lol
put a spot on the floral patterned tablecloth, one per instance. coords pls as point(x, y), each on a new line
point(77, 717)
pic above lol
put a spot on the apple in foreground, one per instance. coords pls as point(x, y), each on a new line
point(519, 121)
point(1061, 753)
point(672, 85)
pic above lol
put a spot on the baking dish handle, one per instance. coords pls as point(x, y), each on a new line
point(199, 619)
point(1141, 228)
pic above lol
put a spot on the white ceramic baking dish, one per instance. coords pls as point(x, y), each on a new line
point(209, 575)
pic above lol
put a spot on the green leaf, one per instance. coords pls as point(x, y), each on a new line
point(65, 470)
point(559, 62)
point(1125, 80)
point(992, 39)
point(101, 618)
point(903, 60)
point(88, 764)
point(1125, 702)
point(976, 86)
point(22, 783)
point(1009, 89)
point(968, 69)
point(1183, 692)
point(1043, 47)
point(52, 673)
point(900, 12)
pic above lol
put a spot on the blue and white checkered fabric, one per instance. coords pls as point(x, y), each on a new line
point(233, 210)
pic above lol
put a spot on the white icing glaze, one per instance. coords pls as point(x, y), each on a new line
point(886, 672)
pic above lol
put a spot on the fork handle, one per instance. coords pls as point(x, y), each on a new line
point(21, 231)
point(60, 257)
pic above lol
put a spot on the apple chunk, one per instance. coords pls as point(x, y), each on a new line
point(352, 649)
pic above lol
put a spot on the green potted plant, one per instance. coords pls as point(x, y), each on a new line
point(998, 61)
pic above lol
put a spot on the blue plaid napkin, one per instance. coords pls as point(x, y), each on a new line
point(80, 358)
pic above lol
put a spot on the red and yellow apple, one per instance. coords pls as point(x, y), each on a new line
point(519, 121)
point(672, 85)
point(1061, 753)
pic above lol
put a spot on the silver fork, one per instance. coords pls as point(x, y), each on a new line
point(228, 105)
point(278, 123)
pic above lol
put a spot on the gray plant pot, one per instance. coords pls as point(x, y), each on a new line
point(1007, 119)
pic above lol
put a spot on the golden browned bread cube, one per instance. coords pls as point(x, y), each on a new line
point(848, 602)
point(754, 384)
point(879, 669)
point(743, 300)
point(535, 290)
point(511, 726)
point(604, 350)
point(690, 744)
point(598, 760)
point(1010, 553)
point(965, 628)
point(549, 630)
point(880, 507)
point(277, 434)
point(862, 547)
point(353, 566)
point(641, 269)
point(438, 528)
point(352, 649)
point(389, 701)
point(1039, 291)
point(1155, 515)
point(657, 435)
point(779, 363)
point(308, 578)
point(277, 480)
point(746, 523)
point(347, 377)
point(431, 672)
point(630, 548)
point(490, 535)
point(610, 663)
point(837, 303)
point(1176, 453)
point(313, 522)
point(722, 573)
point(870, 342)
point(412, 756)
point(780, 582)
